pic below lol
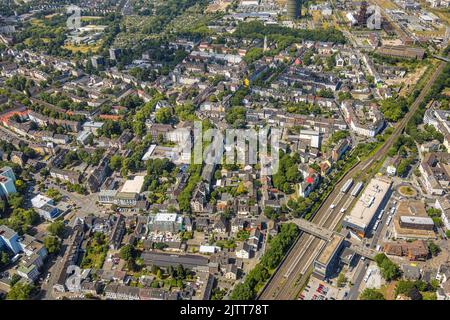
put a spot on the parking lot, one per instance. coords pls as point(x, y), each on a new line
point(372, 278)
point(320, 290)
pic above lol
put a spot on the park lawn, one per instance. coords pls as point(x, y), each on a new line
point(406, 190)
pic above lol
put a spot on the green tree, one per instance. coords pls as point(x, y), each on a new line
point(371, 294)
point(434, 248)
point(253, 54)
point(54, 194)
point(56, 228)
point(52, 244)
point(163, 115)
point(115, 163)
point(236, 116)
point(15, 201)
point(271, 213)
point(342, 280)
point(4, 258)
point(242, 291)
point(394, 108)
point(411, 289)
point(389, 270)
point(127, 252)
point(20, 291)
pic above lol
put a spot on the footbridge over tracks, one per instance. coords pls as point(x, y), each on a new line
point(315, 230)
point(327, 235)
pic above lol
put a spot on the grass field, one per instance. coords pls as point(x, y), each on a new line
point(387, 4)
point(82, 48)
point(29, 43)
point(90, 18)
point(443, 14)
point(407, 191)
point(37, 22)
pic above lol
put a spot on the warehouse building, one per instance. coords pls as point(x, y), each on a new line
point(368, 206)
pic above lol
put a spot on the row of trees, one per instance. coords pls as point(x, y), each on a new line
point(389, 270)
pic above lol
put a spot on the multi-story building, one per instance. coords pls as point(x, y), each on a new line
point(327, 261)
point(7, 182)
point(365, 120)
point(435, 171)
point(339, 150)
point(45, 207)
point(10, 239)
point(443, 204)
point(440, 120)
point(171, 222)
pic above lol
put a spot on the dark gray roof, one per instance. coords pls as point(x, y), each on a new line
point(166, 260)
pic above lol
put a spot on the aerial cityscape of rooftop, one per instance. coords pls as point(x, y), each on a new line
point(225, 150)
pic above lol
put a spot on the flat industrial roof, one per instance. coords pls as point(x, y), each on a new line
point(331, 247)
point(92, 124)
point(6, 232)
point(166, 217)
point(368, 204)
point(149, 152)
point(412, 208)
point(133, 186)
point(417, 220)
